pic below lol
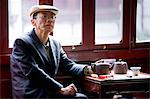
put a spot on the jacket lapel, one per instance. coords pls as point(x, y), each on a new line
point(39, 46)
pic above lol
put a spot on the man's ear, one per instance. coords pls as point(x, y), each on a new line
point(33, 22)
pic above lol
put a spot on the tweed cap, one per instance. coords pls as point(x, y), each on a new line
point(39, 8)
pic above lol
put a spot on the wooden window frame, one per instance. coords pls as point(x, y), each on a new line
point(132, 42)
point(81, 52)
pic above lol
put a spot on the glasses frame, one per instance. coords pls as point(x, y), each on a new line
point(45, 17)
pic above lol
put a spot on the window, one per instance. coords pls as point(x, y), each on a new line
point(92, 23)
point(19, 23)
point(96, 35)
point(108, 21)
point(143, 21)
point(68, 23)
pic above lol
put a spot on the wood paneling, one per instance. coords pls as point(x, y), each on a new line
point(5, 89)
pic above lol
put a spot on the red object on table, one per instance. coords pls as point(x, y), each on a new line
point(102, 76)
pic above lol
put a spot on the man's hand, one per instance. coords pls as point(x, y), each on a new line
point(88, 70)
point(69, 90)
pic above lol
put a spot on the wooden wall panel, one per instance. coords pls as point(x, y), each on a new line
point(5, 89)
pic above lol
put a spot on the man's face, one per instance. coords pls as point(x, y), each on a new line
point(44, 21)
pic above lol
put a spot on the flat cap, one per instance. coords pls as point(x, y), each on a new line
point(39, 8)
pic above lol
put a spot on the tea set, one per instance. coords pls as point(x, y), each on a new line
point(104, 67)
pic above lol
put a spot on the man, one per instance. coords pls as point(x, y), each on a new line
point(36, 58)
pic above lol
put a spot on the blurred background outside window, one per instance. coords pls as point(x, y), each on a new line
point(108, 21)
point(143, 21)
point(19, 21)
point(68, 26)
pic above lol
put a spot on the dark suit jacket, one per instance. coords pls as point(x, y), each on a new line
point(33, 71)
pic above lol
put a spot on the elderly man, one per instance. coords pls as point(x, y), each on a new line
point(36, 58)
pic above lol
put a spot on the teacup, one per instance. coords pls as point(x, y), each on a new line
point(135, 70)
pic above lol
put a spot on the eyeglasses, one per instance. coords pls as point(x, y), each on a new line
point(46, 17)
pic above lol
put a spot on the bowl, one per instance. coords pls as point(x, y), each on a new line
point(135, 70)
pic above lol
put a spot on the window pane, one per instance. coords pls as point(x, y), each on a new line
point(68, 23)
point(143, 21)
point(19, 22)
point(108, 21)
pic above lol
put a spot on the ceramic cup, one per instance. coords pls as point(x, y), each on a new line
point(135, 70)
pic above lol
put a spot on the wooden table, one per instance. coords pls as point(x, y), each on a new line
point(122, 85)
